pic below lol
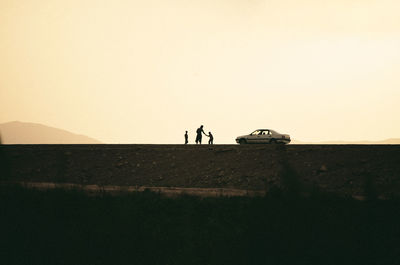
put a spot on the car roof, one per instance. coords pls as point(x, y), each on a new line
point(267, 130)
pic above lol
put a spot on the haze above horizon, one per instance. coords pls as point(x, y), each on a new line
point(146, 71)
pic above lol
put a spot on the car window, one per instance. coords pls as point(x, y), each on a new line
point(255, 133)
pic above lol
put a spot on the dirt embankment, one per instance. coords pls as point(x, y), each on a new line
point(344, 169)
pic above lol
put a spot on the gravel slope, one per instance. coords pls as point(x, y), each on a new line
point(344, 169)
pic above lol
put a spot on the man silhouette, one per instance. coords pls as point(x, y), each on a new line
point(211, 141)
point(186, 137)
point(198, 134)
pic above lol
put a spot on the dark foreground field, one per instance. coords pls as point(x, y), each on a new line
point(350, 170)
point(69, 227)
point(306, 216)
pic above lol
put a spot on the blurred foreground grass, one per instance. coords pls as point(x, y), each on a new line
point(69, 227)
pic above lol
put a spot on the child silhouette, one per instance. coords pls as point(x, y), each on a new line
point(211, 140)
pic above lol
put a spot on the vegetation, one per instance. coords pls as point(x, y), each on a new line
point(70, 227)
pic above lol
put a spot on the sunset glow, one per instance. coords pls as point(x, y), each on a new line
point(146, 71)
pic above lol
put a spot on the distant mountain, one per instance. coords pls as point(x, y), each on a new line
point(387, 141)
point(31, 133)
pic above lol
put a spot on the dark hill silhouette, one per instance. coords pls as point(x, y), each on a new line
point(32, 133)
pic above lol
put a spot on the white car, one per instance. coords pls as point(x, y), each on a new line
point(263, 136)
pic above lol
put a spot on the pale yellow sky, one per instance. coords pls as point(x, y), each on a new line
point(127, 71)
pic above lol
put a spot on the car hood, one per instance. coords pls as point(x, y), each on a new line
point(242, 136)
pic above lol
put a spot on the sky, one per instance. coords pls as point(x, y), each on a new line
point(127, 71)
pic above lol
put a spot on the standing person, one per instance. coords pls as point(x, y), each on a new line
point(198, 134)
point(211, 141)
point(186, 137)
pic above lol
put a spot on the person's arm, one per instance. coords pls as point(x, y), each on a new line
point(204, 133)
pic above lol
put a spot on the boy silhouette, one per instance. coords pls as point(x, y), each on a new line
point(186, 137)
point(211, 141)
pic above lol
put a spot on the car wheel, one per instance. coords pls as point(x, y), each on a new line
point(273, 141)
point(242, 141)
